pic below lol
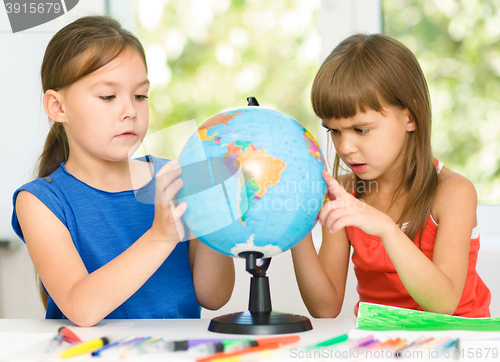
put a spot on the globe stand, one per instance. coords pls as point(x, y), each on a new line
point(260, 318)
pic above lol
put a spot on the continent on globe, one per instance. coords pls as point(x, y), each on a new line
point(269, 197)
point(261, 171)
point(312, 146)
point(221, 118)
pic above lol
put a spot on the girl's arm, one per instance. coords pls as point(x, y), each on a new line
point(435, 285)
point(213, 275)
point(87, 298)
point(322, 277)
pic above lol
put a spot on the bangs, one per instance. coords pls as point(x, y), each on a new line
point(82, 47)
point(94, 58)
point(97, 56)
point(344, 89)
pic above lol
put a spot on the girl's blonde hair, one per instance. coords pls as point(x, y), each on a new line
point(75, 51)
point(369, 72)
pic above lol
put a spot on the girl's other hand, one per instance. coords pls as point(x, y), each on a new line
point(167, 225)
point(343, 209)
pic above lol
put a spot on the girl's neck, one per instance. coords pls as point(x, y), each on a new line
point(391, 181)
point(381, 195)
point(108, 175)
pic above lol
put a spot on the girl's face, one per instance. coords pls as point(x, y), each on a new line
point(107, 111)
point(372, 143)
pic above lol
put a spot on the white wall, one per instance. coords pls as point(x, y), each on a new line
point(489, 255)
point(23, 128)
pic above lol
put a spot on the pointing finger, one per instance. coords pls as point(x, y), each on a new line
point(335, 189)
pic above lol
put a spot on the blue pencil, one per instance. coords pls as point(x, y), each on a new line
point(448, 344)
point(118, 346)
point(107, 346)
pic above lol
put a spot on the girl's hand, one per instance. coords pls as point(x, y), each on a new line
point(167, 225)
point(343, 210)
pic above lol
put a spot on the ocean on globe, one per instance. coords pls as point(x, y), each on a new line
point(252, 181)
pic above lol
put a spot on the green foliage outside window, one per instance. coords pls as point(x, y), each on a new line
point(457, 43)
point(205, 56)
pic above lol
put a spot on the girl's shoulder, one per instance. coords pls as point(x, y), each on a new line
point(48, 184)
point(451, 183)
point(453, 192)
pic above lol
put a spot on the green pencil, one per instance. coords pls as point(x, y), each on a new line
point(329, 342)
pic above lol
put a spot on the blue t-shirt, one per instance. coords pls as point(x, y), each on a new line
point(103, 225)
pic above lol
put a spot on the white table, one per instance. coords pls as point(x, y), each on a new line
point(169, 329)
point(29, 339)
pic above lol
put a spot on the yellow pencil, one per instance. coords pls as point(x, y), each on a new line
point(84, 347)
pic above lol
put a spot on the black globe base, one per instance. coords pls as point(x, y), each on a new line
point(260, 318)
point(260, 323)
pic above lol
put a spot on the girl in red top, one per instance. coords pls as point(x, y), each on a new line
point(411, 222)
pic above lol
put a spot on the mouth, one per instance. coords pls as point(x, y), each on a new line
point(126, 134)
point(358, 167)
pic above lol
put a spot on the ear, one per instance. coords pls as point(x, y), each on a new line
point(411, 125)
point(52, 103)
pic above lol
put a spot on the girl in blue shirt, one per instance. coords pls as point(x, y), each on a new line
point(102, 229)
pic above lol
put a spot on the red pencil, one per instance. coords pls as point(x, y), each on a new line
point(426, 341)
point(68, 335)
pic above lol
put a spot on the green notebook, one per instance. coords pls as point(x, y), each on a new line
point(378, 317)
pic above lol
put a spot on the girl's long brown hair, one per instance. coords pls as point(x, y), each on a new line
point(369, 72)
point(75, 51)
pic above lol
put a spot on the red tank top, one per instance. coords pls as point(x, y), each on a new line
point(378, 281)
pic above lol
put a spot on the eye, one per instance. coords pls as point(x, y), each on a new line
point(360, 131)
point(140, 97)
point(332, 131)
point(107, 98)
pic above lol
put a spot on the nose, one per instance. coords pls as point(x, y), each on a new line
point(347, 145)
point(129, 110)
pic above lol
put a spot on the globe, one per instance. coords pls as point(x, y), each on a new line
point(252, 181)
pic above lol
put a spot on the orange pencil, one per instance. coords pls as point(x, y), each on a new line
point(222, 355)
point(399, 345)
point(389, 342)
point(278, 340)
